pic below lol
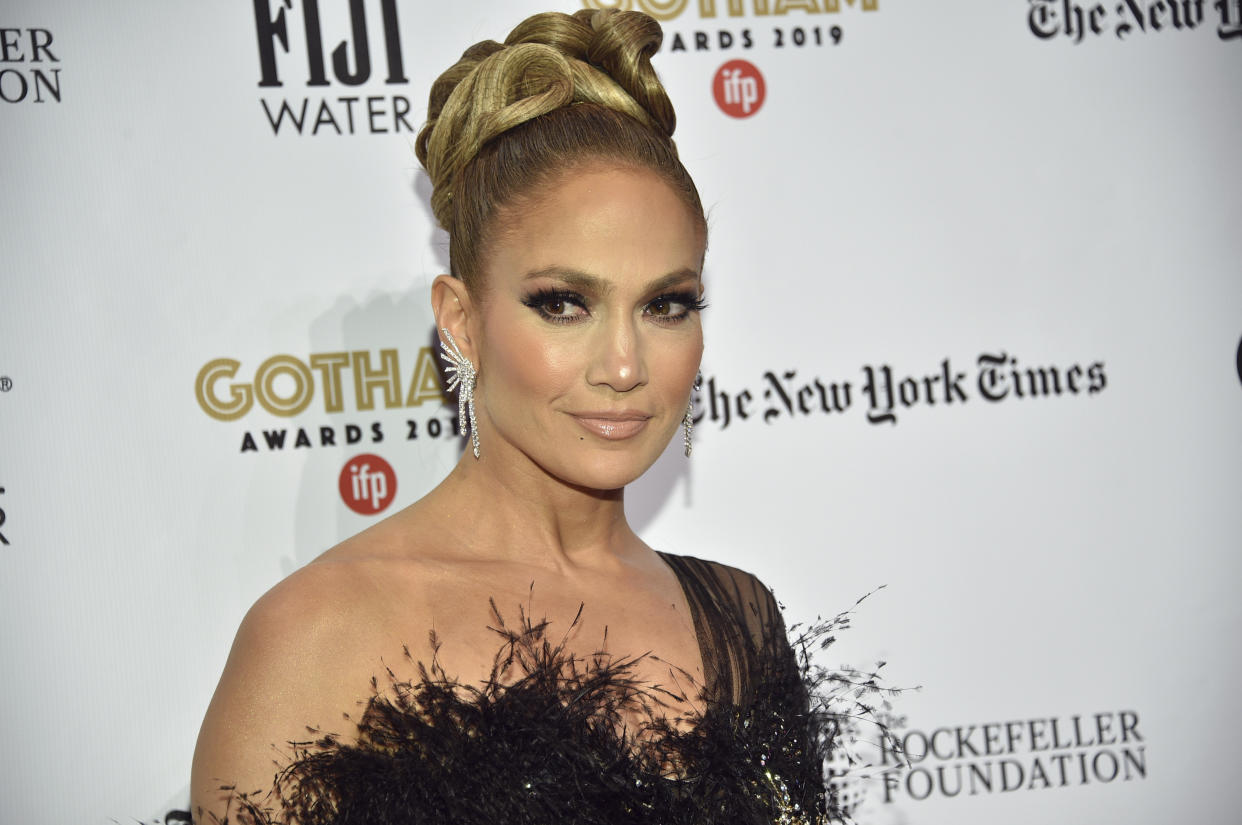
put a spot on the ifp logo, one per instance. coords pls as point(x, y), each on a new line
point(367, 484)
point(739, 88)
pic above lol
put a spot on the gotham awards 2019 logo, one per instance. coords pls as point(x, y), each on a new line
point(352, 382)
point(746, 25)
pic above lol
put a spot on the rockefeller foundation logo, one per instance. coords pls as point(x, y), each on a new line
point(1026, 754)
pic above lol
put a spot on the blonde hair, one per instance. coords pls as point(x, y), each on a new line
point(563, 90)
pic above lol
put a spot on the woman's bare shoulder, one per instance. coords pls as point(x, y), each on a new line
point(302, 660)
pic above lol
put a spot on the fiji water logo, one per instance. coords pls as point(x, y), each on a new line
point(739, 88)
point(368, 484)
point(342, 67)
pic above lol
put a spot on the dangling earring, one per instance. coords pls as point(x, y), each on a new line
point(463, 380)
point(687, 423)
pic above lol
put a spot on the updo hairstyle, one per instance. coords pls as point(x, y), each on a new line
point(562, 91)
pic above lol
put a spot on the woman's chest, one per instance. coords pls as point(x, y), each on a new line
point(487, 628)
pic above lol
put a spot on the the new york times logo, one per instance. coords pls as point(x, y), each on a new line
point(1023, 754)
point(28, 70)
point(885, 393)
point(352, 63)
point(1128, 18)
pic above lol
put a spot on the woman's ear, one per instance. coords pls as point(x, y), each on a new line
point(454, 311)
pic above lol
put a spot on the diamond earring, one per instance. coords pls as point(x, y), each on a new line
point(463, 379)
point(687, 423)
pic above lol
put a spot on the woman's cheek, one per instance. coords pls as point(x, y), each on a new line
point(691, 354)
point(540, 366)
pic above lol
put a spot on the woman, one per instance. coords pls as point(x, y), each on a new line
point(630, 685)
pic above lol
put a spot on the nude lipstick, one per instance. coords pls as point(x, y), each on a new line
point(613, 426)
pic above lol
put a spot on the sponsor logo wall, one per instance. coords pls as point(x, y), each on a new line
point(973, 335)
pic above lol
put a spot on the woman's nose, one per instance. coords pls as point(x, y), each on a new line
point(618, 360)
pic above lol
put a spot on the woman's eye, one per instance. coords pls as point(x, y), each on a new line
point(562, 308)
point(555, 306)
point(663, 306)
point(673, 307)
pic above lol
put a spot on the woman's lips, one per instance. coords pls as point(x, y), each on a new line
point(616, 427)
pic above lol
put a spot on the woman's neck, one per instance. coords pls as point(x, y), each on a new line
point(514, 510)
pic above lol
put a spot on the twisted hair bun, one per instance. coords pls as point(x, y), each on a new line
point(560, 89)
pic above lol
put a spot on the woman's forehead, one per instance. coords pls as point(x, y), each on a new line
point(602, 224)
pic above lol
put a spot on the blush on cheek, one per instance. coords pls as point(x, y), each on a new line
point(523, 367)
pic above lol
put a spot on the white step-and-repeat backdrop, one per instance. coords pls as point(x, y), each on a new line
point(976, 306)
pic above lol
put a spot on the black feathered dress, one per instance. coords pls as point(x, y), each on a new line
point(552, 739)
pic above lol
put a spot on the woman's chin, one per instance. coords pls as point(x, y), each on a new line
point(607, 470)
point(586, 463)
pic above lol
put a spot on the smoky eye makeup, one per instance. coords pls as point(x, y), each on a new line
point(564, 306)
point(675, 305)
point(559, 306)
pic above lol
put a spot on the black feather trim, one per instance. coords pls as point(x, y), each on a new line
point(552, 738)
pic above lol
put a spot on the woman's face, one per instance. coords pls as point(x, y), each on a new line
point(589, 335)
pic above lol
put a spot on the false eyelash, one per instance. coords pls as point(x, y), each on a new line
point(547, 295)
point(692, 301)
point(539, 299)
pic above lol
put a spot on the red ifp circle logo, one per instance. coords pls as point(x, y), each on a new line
point(739, 88)
point(368, 484)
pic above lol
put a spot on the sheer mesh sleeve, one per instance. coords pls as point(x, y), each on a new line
point(749, 664)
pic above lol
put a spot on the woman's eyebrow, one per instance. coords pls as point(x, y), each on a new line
point(672, 279)
point(601, 286)
point(572, 277)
